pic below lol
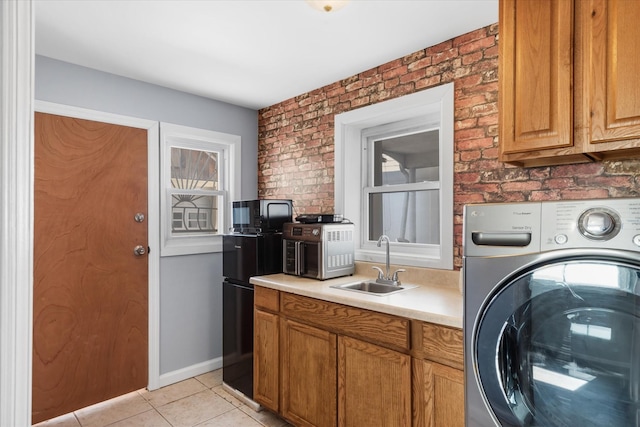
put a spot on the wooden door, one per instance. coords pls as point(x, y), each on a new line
point(374, 385)
point(90, 308)
point(308, 375)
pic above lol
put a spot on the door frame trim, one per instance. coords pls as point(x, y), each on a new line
point(16, 210)
point(153, 225)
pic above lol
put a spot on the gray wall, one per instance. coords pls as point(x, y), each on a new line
point(190, 286)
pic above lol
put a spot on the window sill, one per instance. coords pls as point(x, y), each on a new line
point(405, 259)
point(191, 245)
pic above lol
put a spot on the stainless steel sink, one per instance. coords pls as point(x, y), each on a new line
point(373, 288)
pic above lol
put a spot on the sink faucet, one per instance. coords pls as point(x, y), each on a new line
point(385, 277)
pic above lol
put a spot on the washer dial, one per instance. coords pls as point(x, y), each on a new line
point(599, 224)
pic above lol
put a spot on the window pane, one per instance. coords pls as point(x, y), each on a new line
point(194, 214)
point(405, 216)
point(194, 169)
point(406, 159)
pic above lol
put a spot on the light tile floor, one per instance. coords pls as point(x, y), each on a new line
point(200, 401)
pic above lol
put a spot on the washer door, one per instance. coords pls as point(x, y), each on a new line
point(559, 345)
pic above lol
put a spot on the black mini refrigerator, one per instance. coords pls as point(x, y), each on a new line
point(244, 256)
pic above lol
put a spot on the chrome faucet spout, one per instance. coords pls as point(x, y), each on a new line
point(385, 238)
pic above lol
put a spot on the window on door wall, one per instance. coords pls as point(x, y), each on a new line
point(199, 170)
point(403, 179)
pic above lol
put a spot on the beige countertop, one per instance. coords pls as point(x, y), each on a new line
point(439, 303)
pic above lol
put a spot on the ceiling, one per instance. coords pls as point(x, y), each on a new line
point(252, 53)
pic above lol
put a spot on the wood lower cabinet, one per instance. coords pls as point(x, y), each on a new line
point(440, 389)
point(318, 363)
point(374, 385)
point(438, 377)
point(568, 82)
point(266, 361)
point(308, 374)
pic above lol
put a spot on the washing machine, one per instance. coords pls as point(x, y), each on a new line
point(552, 313)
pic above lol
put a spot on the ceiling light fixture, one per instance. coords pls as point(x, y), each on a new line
point(327, 5)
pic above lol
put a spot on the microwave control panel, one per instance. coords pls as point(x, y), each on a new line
point(318, 232)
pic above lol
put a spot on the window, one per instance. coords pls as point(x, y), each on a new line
point(402, 185)
point(200, 172)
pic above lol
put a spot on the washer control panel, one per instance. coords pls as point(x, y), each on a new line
point(604, 223)
point(530, 227)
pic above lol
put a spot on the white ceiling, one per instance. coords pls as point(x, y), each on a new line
point(252, 53)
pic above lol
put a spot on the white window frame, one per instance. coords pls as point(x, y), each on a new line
point(392, 130)
point(351, 135)
point(229, 148)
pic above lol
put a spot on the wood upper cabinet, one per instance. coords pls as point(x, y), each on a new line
point(536, 72)
point(613, 40)
point(568, 81)
point(308, 370)
point(374, 385)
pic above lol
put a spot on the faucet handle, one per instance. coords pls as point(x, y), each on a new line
point(380, 272)
point(395, 274)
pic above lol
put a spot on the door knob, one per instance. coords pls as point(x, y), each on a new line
point(139, 250)
point(139, 217)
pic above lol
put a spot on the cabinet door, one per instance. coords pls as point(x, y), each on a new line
point(266, 359)
point(536, 71)
point(308, 375)
point(614, 66)
point(438, 395)
point(374, 385)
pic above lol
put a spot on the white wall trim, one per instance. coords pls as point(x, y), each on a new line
point(190, 371)
point(16, 210)
point(153, 224)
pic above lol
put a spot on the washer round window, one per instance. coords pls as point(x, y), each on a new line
point(568, 354)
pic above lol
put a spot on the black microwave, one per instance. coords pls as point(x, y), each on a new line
point(261, 216)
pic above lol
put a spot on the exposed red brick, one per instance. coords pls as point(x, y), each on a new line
point(444, 56)
point(472, 58)
point(413, 77)
point(478, 34)
point(394, 72)
point(295, 137)
point(391, 65)
point(521, 186)
point(441, 47)
point(477, 45)
point(422, 63)
point(431, 81)
point(474, 144)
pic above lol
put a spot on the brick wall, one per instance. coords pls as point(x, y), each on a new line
point(295, 137)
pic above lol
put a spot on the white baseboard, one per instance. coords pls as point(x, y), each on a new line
point(189, 372)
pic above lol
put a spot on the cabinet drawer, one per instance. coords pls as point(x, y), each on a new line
point(266, 298)
point(443, 344)
point(369, 325)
